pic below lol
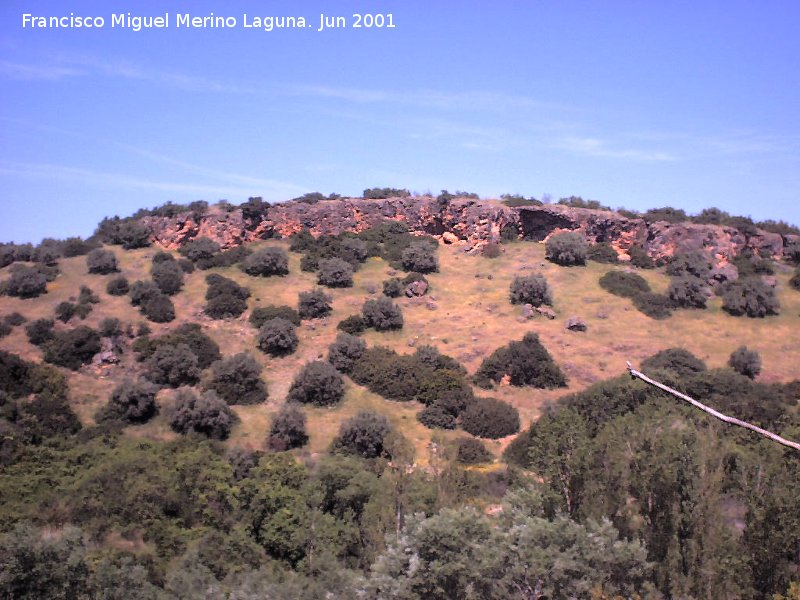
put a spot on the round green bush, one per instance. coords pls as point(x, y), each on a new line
point(345, 351)
point(363, 435)
point(277, 337)
point(530, 289)
point(679, 360)
point(382, 314)
point(314, 304)
point(25, 282)
point(420, 257)
point(207, 414)
point(101, 262)
point(133, 402)
point(622, 283)
point(288, 429)
point(745, 362)
point(392, 288)
point(688, 292)
point(434, 416)
point(118, 286)
point(262, 314)
point(490, 418)
point(470, 451)
point(354, 325)
point(168, 276)
point(602, 252)
point(751, 297)
point(318, 383)
point(567, 249)
point(158, 308)
point(237, 380)
point(655, 306)
point(335, 273)
point(266, 262)
point(173, 366)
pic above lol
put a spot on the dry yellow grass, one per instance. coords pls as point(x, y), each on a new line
point(471, 316)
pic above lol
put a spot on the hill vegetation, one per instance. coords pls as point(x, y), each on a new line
point(380, 414)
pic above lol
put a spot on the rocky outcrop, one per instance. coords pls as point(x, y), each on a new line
point(470, 222)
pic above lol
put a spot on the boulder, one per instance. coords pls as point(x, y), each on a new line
point(546, 312)
point(415, 289)
point(527, 311)
point(576, 324)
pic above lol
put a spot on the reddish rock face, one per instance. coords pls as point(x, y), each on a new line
point(477, 222)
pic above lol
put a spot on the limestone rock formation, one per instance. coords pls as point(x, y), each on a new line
point(471, 222)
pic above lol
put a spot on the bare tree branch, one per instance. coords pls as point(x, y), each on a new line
point(773, 436)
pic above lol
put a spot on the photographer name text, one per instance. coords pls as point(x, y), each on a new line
point(133, 22)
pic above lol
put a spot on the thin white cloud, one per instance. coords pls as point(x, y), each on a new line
point(598, 148)
point(29, 72)
point(92, 177)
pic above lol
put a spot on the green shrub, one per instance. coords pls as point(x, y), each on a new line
point(526, 362)
point(87, 296)
point(567, 249)
point(435, 416)
point(110, 327)
point(694, 264)
point(420, 257)
point(470, 451)
point(207, 414)
point(15, 318)
point(262, 314)
point(64, 311)
point(354, 325)
point(173, 366)
point(792, 251)
point(15, 374)
point(203, 347)
point(266, 262)
point(530, 289)
point(224, 297)
point(40, 331)
point(168, 276)
point(132, 402)
point(314, 304)
point(288, 429)
point(237, 380)
point(383, 193)
point(72, 348)
point(688, 292)
point(749, 264)
point(318, 383)
point(680, 361)
point(621, 283)
point(198, 249)
point(666, 213)
point(393, 288)
point(5, 329)
point(382, 314)
point(277, 337)
point(118, 286)
point(640, 258)
point(745, 362)
point(490, 418)
point(751, 297)
point(602, 252)
point(75, 246)
point(46, 416)
point(141, 291)
point(161, 257)
point(363, 435)
point(101, 262)
point(335, 273)
point(655, 306)
point(345, 351)
point(255, 209)
point(25, 282)
point(794, 282)
point(158, 308)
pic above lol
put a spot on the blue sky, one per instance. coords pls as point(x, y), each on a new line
point(635, 104)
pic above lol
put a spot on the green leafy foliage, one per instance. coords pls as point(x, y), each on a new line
point(382, 314)
point(530, 289)
point(567, 249)
point(101, 262)
point(118, 286)
point(363, 435)
point(420, 257)
point(335, 273)
point(266, 262)
point(237, 380)
point(207, 414)
point(622, 283)
point(345, 351)
point(602, 252)
point(317, 383)
point(132, 402)
point(490, 418)
point(224, 297)
point(688, 292)
point(354, 325)
point(526, 362)
point(751, 297)
point(168, 276)
point(288, 429)
point(262, 314)
point(72, 348)
point(393, 288)
point(25, 282)
point(173, 366)
point(314, 304)
point(470, 451)
point(745, 362)
point(277, 337)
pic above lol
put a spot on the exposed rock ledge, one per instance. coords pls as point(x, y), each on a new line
point(471, 222)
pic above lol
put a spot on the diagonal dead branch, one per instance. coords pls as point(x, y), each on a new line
point(714, 413)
